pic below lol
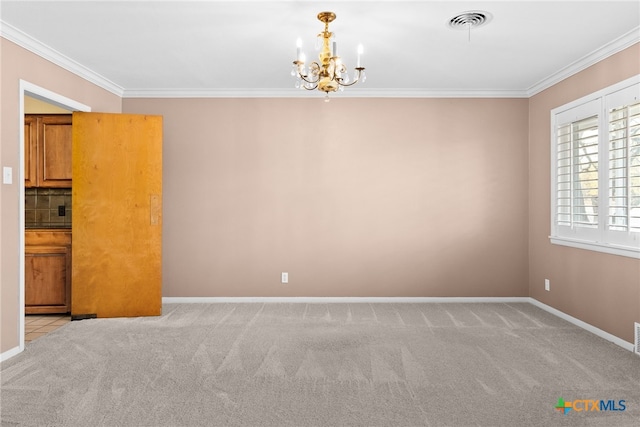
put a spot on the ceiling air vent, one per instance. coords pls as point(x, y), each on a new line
point(470, 19)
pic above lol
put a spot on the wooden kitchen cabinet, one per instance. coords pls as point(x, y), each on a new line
point(47, 150)
point(30, 142)
point(47, 271)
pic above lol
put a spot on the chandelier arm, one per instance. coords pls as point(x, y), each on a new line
point(355, 80)
point(304, 77)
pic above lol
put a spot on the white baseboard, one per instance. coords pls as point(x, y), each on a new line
point(10, 353)
point(326, 300)
point(584, 325)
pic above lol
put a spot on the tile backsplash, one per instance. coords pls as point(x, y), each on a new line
point(47, 207)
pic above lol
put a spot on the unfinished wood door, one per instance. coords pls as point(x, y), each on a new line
point(117, 215)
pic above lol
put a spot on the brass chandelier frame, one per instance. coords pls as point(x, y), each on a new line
point(327, 74)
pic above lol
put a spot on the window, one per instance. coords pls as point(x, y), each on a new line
point(595, 194)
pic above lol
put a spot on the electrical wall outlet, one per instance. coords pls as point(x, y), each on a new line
point(285, 277)
point(547, 285)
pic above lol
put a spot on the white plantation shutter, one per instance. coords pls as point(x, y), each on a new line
point(564, 173)
point(596, 171)
point(576, 171)
point(623, 172)
point(634, 168)
point(624, 168)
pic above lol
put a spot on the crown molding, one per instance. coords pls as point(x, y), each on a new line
point(297, 93)
point(609, 49)
point(27, 42)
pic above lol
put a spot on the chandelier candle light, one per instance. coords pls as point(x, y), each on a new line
point(329, 74)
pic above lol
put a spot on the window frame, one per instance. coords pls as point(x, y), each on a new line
point(600, 239)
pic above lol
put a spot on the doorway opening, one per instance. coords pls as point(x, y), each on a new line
point(31, 94)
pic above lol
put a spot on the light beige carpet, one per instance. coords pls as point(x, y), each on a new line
point(321, 365)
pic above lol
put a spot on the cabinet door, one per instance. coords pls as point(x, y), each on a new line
point(47, 279)
point(30, 150)
point(54, 152)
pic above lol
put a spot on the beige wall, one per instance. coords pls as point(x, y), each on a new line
point(17, 63)
point(373, 197)
point(600, 289)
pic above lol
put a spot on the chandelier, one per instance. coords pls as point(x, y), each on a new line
point(329, 74)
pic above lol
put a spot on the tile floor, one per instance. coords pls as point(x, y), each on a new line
point(37, 325)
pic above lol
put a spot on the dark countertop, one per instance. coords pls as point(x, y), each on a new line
point(47, 227)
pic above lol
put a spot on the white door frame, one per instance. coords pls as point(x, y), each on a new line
point(34, 91)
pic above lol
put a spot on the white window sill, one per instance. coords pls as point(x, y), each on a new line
point(597, 247)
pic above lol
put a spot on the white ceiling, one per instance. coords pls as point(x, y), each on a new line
point(246, 48)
